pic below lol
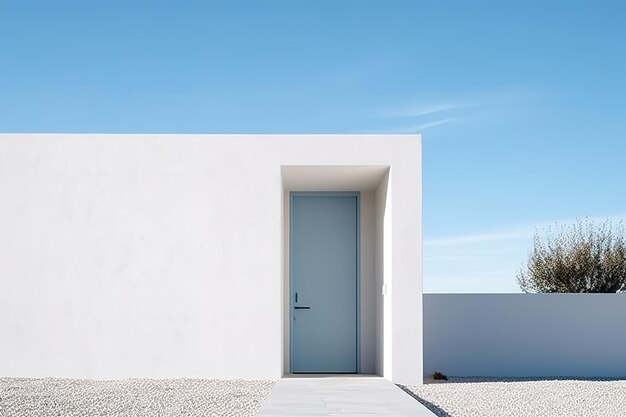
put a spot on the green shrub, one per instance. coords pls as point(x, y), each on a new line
point(581, 258)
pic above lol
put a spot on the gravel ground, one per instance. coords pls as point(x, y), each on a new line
point(466, 397)
point(25, 397)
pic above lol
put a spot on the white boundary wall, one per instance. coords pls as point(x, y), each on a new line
point(163, 255)
point(525, 335)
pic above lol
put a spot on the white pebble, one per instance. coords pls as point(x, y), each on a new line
point(25, 397)
point(471, 397)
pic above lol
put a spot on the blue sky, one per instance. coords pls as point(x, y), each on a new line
point(522, 104)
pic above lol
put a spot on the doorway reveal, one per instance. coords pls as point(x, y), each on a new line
point(366, 186)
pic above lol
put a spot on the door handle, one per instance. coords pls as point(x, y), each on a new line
point(302, 308)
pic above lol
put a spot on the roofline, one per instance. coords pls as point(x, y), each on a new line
point(212, 134)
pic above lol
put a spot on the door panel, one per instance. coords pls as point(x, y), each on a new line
point(324, 256)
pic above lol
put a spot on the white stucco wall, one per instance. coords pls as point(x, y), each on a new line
point(525, 335)
point(162, 255)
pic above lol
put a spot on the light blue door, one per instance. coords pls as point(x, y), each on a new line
point(324, 277)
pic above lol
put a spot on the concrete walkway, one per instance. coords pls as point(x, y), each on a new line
point(338, 396)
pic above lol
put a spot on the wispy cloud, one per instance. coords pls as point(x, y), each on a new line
point(514, 232)
point(417, 128)
point(427, 110)
point(436, 123)
point(477, 238)
point(479, 108)
point(427, 116)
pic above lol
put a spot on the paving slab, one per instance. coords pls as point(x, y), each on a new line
point(340, 396)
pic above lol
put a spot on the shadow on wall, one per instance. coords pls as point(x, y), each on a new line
point(432, 407)
point(525, 335)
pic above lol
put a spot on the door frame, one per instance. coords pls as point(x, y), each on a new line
point(356, 194)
